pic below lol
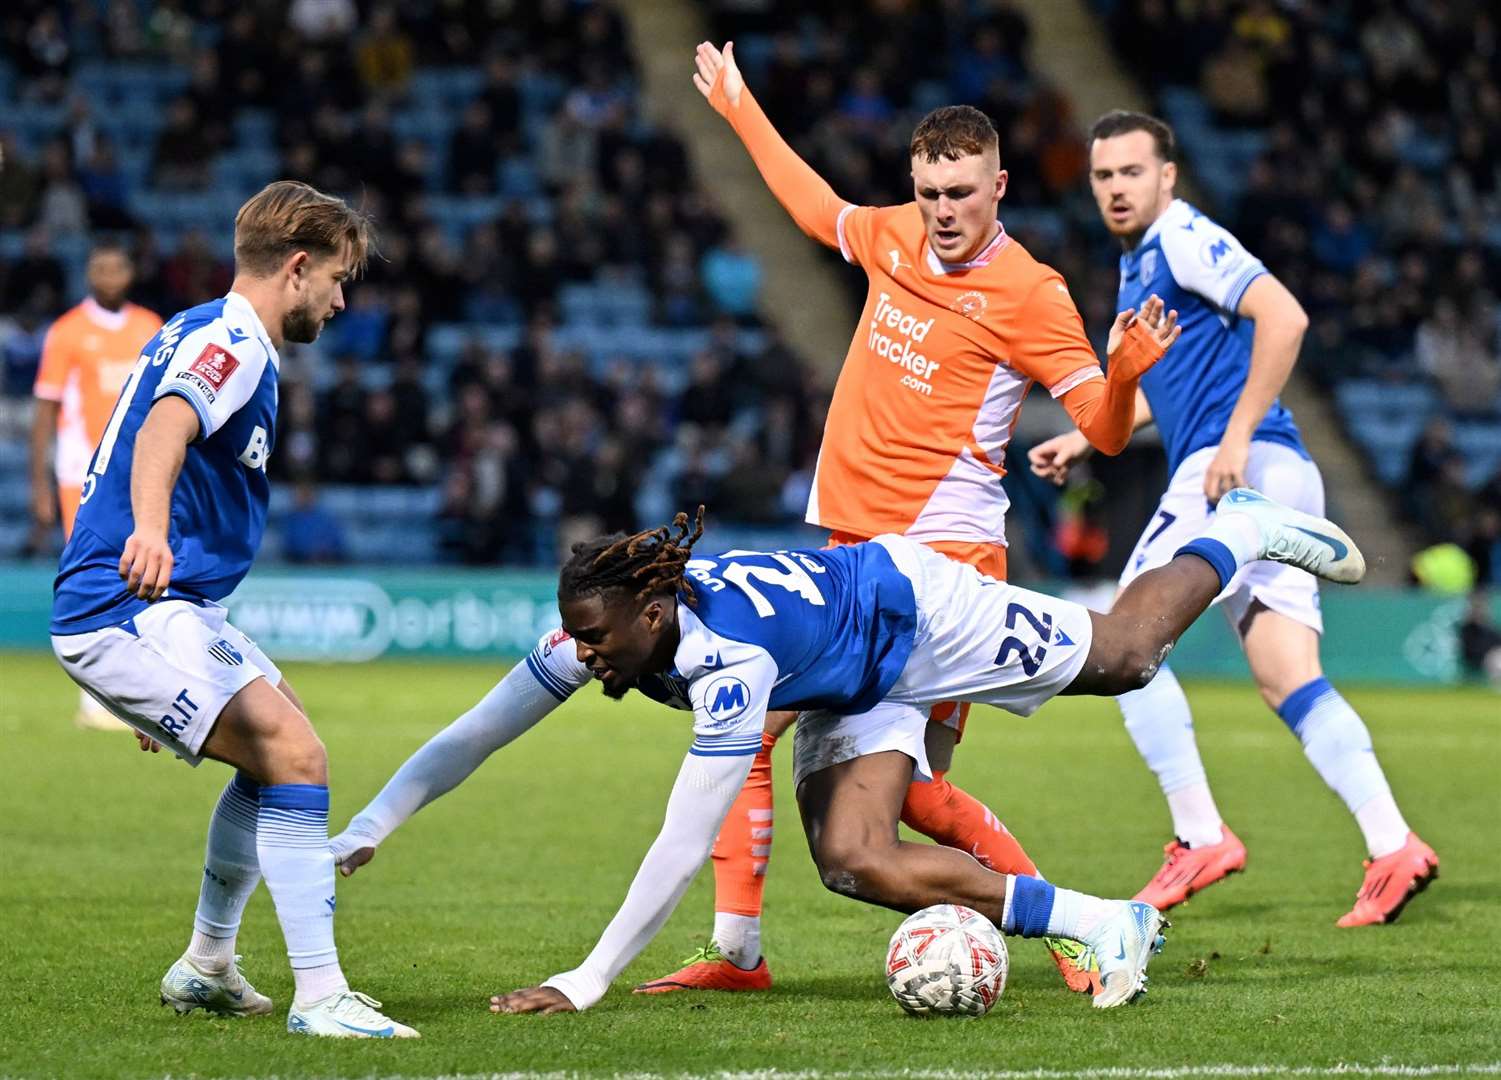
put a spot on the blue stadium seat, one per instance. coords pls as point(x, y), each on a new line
point(1479, 443)
point(445, 87)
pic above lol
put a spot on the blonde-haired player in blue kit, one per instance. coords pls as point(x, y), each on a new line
point(1214, 398)
point(173, 508)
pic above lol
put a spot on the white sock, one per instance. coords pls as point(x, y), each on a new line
point(1239, 533)
point(1076, 914)
point(1161, 725)
point(1383, 826)
point(316, 983)
point(292, 842)
point(1196, 820)
point(739, 938)
point(211, 955)
point(1338, 744)
point(231, 871)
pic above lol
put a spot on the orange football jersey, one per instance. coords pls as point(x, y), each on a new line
point(934, 379)
point(86, 357)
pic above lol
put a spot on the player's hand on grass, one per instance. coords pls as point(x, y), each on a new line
point(1228, 469)
point(148, 744)
point(718, 77)
point(1053, 459)
point(533, 999)
point(354, 860)
point(146, 566)
point(1139, 338)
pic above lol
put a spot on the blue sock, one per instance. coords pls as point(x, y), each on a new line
point(1028, 907)
point(1215, 553)
point(292, 842)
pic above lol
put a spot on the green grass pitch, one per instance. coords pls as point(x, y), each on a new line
point(512, 877)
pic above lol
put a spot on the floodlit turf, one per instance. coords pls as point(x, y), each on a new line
point(512, 877)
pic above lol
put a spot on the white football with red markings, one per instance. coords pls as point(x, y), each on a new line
point(947, 960)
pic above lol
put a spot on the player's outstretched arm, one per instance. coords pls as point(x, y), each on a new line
point(160, 449)
point(1055, 458)
point(511, 708)
point(706, 788)
point(801, 191)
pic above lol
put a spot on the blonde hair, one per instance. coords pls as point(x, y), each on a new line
point(287, 216)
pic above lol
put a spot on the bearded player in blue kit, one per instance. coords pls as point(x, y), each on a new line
point(1215, 401)
point(173, 509)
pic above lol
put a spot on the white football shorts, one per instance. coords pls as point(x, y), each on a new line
point(169, 672)
point(1278, 472)
point(825, 739)
point(978, 640)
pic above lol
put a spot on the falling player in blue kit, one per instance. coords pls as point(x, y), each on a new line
point(1214, 399)
point(861, 640)
point(173, 508)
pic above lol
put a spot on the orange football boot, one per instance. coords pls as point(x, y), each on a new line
point(1187, 870)
point(708, 969)
point(1390, 882)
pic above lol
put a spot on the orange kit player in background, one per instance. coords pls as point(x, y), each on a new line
point(86, 357)
point(959, 322)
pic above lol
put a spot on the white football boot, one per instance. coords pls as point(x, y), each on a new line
point(346, 1015)
point(1290, 536)
point(1123, 944)
point(228, 993)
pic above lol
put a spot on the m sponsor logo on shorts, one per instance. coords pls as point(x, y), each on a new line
point(216, 364)
point(225, 653)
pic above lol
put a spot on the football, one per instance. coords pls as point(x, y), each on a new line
point(946, 960)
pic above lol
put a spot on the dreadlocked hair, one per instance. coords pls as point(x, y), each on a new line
point(647, 562)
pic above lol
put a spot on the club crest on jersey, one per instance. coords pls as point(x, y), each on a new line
point(969, 304)
point(215, 364)
point(726, 699)
point(225, 653)
point(1148, 266)
point(556, 638)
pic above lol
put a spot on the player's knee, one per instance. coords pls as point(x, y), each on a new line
point(851, 867)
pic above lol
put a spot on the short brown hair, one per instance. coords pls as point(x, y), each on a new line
point(1123, 122)
point(287, 216)
point(953, 132)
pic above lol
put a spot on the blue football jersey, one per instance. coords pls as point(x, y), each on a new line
point(1201, 271)
point(218, 358)
point(808, 629)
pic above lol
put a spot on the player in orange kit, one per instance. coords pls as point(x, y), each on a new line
point(958, 323)
point(86, 357)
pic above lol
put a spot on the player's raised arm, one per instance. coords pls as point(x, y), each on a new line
point(161, 447)
point(530, 690)
point(804, 194)
point(1106, 411)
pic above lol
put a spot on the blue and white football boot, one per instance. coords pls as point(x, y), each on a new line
point(346, 1015)
point(227, 993)
point(1290, 536)
point(1122, 945)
